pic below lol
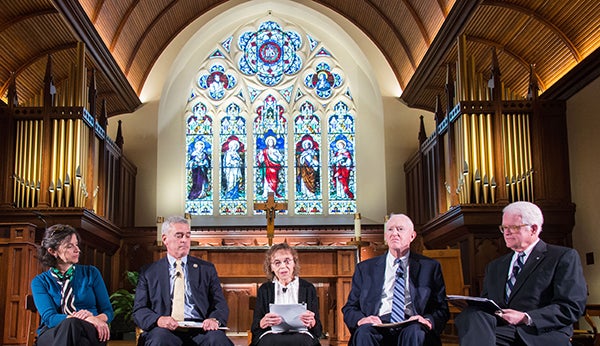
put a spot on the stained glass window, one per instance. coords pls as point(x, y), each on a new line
point(307, 139)
point(199, 161)
point(274, 104)
point(233, 143)
point(342, 170)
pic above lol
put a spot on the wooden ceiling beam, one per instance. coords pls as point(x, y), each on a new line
point(455, 23)
point(106, 64)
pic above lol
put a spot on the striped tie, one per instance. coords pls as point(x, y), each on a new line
point(513, 277)
point(398, 299)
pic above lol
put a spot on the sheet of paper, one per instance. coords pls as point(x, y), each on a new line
point(194, 324)
point(485, 304)
point(395, 324)
point(290, 313)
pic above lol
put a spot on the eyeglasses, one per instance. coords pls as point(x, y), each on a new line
point(278, 263)
point(511, 228)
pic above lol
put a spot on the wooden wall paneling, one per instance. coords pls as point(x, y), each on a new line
point(18, 254)
point(326, 304)
point(238, 300)
point(342, 334)
point(3, 282)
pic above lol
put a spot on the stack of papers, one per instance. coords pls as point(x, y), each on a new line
point(290, 314)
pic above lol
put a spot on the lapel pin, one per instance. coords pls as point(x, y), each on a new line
point(195, 265)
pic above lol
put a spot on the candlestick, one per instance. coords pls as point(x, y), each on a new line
point(357, 226)
point(159, 222)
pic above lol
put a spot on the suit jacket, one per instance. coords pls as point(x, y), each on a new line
point(266, 295)
point(153, 296)
point(427, 290)
point(550, 288)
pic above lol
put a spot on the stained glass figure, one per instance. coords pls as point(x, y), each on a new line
point(199, 173)
point(270, 170)
point(342, 169)
point(323, 80)
point(266, 71)
point(233, 162)
point(270, 53)
point(217, 81)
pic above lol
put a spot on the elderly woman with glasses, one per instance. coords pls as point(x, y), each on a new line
point(71, 298)
point(285, 287)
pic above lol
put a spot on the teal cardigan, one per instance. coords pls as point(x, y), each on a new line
point(89, 290)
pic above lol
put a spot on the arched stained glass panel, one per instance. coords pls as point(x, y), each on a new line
point(233, 143)
point(275, 98)
point(342, 168)
point(270, 167)
point(199, 161)
point(307, 139)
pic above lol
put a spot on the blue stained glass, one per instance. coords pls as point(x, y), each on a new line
point(312, 42)
point(199, 121)
point(342, 168)
point(233, 176)
point(323, 163)
point(299, 94)
point(323, 80)
point(270, 53)
point(271, 166)
point(307, 138)
point(287, 93)
point(240, 95)
point(227, 44)
point(216, 81)
point(270, 171)
point(253, 93)
point(349, 94)
point(216, 54)
point(199, 170)
point(323, 53)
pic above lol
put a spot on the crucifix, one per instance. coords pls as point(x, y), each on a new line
point(270, 207)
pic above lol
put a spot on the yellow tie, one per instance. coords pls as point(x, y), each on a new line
point(178, 293)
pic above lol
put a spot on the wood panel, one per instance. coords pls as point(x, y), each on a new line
point(18, 252)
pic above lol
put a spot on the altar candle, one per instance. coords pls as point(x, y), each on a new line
point(357, 226)
point(159, 222)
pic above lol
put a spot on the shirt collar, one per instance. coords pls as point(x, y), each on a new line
point(390, 259)
point(172, 261)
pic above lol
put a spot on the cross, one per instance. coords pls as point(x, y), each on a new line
point(270, 207)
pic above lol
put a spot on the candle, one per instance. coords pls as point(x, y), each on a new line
point(159, 222)
point(357, 226)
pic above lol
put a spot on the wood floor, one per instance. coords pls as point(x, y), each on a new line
point(238, 340)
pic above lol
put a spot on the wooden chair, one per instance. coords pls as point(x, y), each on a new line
point(32, 324)
point(455, 284)
point(588, 337)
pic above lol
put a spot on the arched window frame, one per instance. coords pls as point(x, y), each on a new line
point(225, 81)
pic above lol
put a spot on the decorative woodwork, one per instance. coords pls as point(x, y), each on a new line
point(19, 260)
point(488, 150)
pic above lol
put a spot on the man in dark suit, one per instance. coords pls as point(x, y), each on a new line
point(540, 288)
point(372, 300)
point(156, 309)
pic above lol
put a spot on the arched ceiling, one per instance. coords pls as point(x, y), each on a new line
point(124, 38)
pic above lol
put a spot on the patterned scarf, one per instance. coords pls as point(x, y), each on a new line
point(67, 299)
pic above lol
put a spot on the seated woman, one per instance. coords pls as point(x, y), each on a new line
point(285, 287)
point(72, 299)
